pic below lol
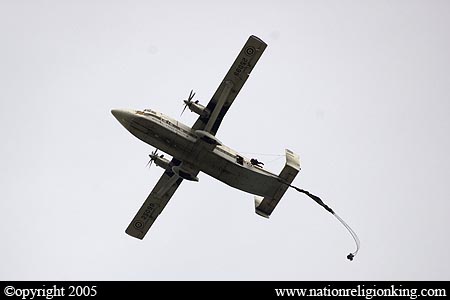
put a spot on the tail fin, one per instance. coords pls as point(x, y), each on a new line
point(265, 206)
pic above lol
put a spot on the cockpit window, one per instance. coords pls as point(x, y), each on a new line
point(147, 110)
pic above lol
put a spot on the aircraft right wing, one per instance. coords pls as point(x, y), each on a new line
point(155, 202)
point(231, 85)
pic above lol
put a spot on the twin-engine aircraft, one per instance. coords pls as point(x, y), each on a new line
point(194, 149)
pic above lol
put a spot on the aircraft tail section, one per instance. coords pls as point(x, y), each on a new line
point(265, 206)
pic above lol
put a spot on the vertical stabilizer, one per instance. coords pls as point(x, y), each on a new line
point(265, 206)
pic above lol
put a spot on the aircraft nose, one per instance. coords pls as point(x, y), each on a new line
point(117, 113)
point(122, 115)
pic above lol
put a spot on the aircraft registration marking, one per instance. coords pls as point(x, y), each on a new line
point(148, 211)
point(242, 65)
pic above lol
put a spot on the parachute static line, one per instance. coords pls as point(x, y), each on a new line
point(321, 203)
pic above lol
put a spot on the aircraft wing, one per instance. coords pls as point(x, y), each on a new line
point(231, 85)
point(155, 202)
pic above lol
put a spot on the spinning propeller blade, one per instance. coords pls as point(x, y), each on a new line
point(152, 156)
point(188, 101)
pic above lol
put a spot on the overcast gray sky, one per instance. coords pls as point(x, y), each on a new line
point(360, 89)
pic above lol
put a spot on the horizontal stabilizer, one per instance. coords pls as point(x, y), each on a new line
point(265, 206)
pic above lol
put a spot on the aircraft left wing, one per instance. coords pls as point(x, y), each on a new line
point(231, 85)
point(155, 202)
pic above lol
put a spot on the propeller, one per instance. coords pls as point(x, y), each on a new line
point(188, 101)
point(153, 156)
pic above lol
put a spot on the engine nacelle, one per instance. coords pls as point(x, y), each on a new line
point(161, 162)
point(184, 174)
point(207, 137)
point(199, 109)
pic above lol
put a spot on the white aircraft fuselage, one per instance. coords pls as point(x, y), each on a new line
point(182, 142)
point(194, 149)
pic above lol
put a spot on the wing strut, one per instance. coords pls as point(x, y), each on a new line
point(168, 185)
point(222, 99)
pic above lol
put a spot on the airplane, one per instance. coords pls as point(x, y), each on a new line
point(194, 149)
